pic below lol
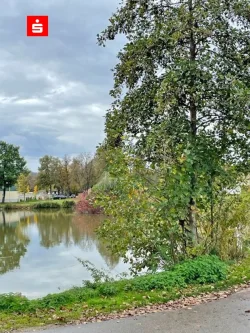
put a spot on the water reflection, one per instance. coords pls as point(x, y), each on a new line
point(13, 245)
point(38, 251)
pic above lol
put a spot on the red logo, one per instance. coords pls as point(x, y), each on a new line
point(37, 26)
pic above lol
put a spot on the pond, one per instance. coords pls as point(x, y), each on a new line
point(39, 251)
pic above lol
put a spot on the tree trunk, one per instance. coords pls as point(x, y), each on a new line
point(193, 129)
point(184, 243)
point(4, 193)
point(211, 207)
point(192, 223)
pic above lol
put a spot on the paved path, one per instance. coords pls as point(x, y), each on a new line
point(223, 316)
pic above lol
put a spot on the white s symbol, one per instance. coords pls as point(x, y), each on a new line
point(37, 28)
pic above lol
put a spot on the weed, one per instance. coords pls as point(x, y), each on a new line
point(98, 275)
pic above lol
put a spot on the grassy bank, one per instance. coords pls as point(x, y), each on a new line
point(34, 205)
point(97, 300)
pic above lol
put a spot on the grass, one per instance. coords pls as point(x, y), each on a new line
point(191, 278)
point(38, 204)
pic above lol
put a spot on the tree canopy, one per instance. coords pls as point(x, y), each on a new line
point(185, 70)
point(70, 175)
point(181, 106)
point(23, 184)
point(11, 165)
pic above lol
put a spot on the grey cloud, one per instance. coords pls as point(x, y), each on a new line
point(54, 91)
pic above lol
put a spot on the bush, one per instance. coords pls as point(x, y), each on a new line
point(8, 206)
point(68, 204)
point(85, 205)
point(205, 269)
point(31, 199)
point(107, 289)
point(46, 205)
point(13, 303)
point(55, 301)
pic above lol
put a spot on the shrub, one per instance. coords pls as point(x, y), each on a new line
point(107, 289)
point(90, 284)
point(162, 281)
point(85, 205)
point(46, 205)
point(55, 301)
point(13, 303)
point(205, 269)
point(68, 204)
point(8, 207)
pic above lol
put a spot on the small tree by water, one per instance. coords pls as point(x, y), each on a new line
point(11, 166)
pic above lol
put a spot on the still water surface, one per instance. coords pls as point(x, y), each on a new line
point(39, 251)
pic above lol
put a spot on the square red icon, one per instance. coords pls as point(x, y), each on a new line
point(37, 26)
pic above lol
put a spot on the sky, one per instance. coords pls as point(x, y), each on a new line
point(54, 91)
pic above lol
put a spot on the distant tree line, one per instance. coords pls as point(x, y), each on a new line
point(69, 175)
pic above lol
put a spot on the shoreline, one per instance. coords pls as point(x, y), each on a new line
point(38, 205)
point(113, 300)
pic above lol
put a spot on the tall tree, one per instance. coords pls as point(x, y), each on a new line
point(45, 174)
point(58, 174)
point(89, 171)
point(35, 190)
point(181, 91)
point(48, 171)
point(23, 184)
point(83, 172)
point(11, 166)
point(66, 174)
point(76, 175)
point(32, 179)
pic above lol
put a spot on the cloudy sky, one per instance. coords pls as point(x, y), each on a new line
point(54, 91)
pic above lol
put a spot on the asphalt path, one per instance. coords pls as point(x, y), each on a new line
point(229, 315)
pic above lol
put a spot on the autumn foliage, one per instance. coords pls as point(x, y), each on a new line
point(85, 205)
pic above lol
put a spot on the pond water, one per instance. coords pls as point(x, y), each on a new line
point(39, 251)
